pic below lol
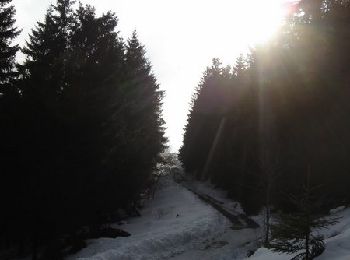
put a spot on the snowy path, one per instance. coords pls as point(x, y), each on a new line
point(175, 225)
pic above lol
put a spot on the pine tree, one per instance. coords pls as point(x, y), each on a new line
point(209, 103)
point(92, 108)
point(143, 114)
point(89, 107)
point(44, 79)
point(46, 53)
point(100, 110)
point(10, 107)
point(295, 232)
point(8, 32)
point(288, 108)
point(227, 151)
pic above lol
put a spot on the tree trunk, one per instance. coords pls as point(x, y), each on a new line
point(267, 226)
point(307, 239)
point(35, 248)
point(268, 211)
point(204, 174)
point(20, 252)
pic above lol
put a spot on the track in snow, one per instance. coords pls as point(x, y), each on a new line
point(176, 225)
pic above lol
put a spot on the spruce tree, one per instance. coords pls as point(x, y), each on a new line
point(208, 105)
point(295, 232)
point(143, 114)
point(46, 53)
point(92, 109)
point(8, 32)
point(43, 135)
point(9, 133)
point(96, 109)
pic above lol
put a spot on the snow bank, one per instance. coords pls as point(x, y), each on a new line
point(220, 195)
point(266, 254)
point(338, 238)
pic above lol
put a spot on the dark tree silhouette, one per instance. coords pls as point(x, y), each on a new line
point(286, 109)
point(8, 32)
point(9, 109)
point(295, 233)
point(87, 131)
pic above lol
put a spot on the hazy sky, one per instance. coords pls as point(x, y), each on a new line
point(181, 38)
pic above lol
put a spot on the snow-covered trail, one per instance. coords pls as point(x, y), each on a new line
point(176, 225)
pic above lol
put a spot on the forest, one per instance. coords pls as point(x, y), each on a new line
point(82, 130)
point(273, 129)
point(75, 116)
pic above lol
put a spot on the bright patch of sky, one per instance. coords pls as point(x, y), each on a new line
point(181, 38)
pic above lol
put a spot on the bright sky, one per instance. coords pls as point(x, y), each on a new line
point(181, 38)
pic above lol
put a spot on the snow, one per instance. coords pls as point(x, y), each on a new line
point(220, 195)
point(338, 237)
point(177, 225)
point(266, 254)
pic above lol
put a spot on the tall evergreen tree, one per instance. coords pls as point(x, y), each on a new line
point(8, 32)
point(143, 114)
point(92, 108)
point(9, 110)
point(47, 51)
point(208, 108)
point(282, 113)
point(295, 233)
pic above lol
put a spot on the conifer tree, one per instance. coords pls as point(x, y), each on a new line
point(283, 104)
point(46, 53)
point(143, 110)
point(208, 106)
point(295, 232)
point(9, 111)
point(94, 108)
point(8, 32)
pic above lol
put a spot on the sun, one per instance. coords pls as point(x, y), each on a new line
point(248, 21)
point(197, 31)
point(265, 18)
point(226, 28)
point(259, 19)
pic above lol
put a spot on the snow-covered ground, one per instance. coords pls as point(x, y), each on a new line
point(220, 195)
point(176, 225)
point(337, 240)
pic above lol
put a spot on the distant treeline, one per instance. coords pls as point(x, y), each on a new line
point(281, 113)
point(81, 126)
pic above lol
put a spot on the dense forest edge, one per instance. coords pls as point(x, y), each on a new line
point(82, 133)
point(273, 129)
point(81, 129)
